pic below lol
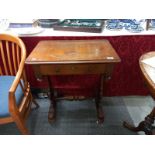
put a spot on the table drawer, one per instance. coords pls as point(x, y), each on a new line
point(63, 69)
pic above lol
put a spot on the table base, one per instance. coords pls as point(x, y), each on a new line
point(52, 108)
point(145, 125)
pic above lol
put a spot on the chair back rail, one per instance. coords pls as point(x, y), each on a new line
point(10, 58)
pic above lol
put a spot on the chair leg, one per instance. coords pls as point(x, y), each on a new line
point(21, 126)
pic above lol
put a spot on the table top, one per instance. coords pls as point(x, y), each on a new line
point(147, 70)
point(73, 51)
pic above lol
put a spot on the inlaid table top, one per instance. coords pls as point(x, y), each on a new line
point(73, 51)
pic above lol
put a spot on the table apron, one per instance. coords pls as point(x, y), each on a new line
point(72, 69)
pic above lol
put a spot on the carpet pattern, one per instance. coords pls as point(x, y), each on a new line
point(76, 118)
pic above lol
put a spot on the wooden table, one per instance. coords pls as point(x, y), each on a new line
point(68, 57)
point(148, 73)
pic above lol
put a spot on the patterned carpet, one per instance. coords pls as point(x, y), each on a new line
point(76, 118)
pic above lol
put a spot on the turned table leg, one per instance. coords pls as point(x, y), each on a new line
point(52, 108)
point(145, 125)
point(100, 114)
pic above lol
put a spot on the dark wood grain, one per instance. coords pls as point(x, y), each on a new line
point(73, 51)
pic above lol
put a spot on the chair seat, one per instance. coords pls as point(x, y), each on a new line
point(5, 84)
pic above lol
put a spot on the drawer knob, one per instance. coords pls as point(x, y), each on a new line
point(108, 77)
point(39, 79)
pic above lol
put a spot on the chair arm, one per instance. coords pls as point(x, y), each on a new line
point(20, 70)
point(12, 99)
point(15, 83)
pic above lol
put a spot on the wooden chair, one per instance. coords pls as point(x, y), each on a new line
point(15, 95)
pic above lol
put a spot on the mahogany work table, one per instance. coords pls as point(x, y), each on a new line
point(73, 57)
